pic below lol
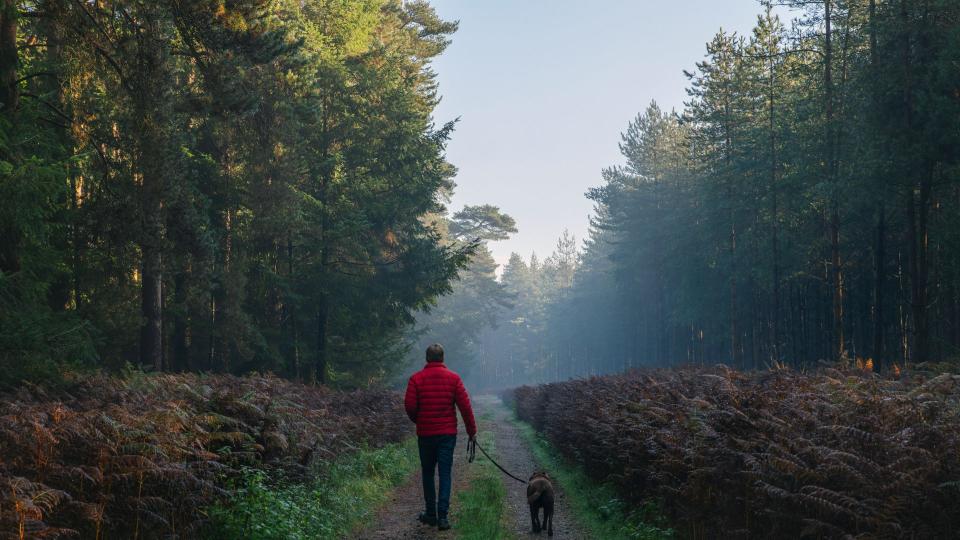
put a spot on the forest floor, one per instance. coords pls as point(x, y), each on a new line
point(397, 518)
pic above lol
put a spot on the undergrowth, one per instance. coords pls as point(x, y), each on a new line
point(596, 506)
point(479, 512)
point(344, 496)
point(777, 454)
point(142, 456)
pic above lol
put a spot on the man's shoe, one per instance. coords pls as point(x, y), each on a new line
point(427, 520)
point(443, 524)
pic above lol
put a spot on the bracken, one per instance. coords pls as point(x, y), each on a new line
point(143, 457)
point(769, 454)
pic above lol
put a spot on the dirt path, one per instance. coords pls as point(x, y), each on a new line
point(514, 455)
point(396, 520)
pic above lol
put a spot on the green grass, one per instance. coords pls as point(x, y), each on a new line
point(479, 510)
point(331, 507)
point(595, 506)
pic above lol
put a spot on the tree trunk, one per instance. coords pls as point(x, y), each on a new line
point(291, 313)
point(879, 273)
point(917, 209)
point(212, 344)
point(320, 368)
point(880, 254)
point(917, 215)
point(775, 217)
point(151, 286)
point(836, 273)
point(9, 247)
point(151, 245)
point(179, 361)
point(150, 109)
point(734, 332)
point(9, 59)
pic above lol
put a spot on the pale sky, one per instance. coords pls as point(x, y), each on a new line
point(543, 89)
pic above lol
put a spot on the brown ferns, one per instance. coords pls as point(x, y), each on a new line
point(141, 458)
point(767, 455)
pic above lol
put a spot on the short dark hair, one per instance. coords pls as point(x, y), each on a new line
point(435, 353)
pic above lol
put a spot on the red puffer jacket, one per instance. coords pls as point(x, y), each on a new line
point(431, 394)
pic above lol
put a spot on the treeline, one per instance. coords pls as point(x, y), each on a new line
point(226, 185)
point(804, 206)
point(806, 203)
point(503, 332)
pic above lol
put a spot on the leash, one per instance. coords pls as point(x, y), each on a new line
point(472, 446)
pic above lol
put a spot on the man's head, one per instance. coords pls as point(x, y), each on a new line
point(435, 353)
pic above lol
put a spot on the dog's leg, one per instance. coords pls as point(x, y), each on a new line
point(534, 518)
point(548, 518)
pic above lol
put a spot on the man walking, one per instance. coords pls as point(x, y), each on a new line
point(431, 395)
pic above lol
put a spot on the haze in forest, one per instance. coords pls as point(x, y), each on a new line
point(227, 240)
point(544, 88)
point(268, 193)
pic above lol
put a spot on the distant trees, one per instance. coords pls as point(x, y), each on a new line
point(225, 186)
point(808, 192)
point(477, 300)
point(804, 206)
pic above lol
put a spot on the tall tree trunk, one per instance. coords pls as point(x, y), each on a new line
point(734, 332)
point(150, 107)
point(291, 312)
point(221, 358)
point(775, 217)
point(9, 59)
point(880, 252)
point(879, 274)
point(873, 34)
point(917, 215)
point(151, 286)
point(836, 272)
point(918, 204)
point(212, 341)
point(151, 241)
point(902, 318)
point(179, 361)
point(323, 317)
point(323, 303)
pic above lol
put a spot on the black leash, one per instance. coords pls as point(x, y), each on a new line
point(472, 446)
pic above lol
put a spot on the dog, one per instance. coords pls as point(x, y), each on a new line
point(540, 495)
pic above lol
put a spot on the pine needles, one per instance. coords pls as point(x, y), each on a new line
point(774, 454)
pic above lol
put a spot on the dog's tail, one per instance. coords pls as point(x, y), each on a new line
point(532, 497)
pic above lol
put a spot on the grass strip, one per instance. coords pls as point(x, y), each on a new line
point(479, 512)
point(332, 506)
point(595, 507)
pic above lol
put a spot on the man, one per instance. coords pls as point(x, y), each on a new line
point(431, 395)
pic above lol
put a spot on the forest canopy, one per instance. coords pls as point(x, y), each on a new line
point(223, 185)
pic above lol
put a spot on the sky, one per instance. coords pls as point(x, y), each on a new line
point(543, 89)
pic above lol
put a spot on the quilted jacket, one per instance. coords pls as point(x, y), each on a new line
point(431, 395)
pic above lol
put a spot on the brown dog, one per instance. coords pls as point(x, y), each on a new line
point(540, 495)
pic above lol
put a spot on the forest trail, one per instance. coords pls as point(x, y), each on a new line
point(514, 456)
point(397, 518)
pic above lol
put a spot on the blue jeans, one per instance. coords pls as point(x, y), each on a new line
point(437, 451)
